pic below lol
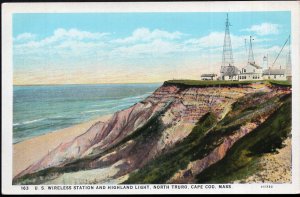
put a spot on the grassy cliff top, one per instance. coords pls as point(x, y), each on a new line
point(202, 83)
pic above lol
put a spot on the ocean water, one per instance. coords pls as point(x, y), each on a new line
point(41, 109)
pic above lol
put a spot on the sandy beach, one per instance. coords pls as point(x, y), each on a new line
point(274, 167)
point(31, 150)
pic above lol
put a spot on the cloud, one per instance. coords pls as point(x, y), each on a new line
point(144, 35)
point(69, 47)
point(25, 37)
point(76, 34)
point(73, 49)
point(214, 41)
point(74, 46)
point(208, 47)
point(59, 36)
point(263, 29)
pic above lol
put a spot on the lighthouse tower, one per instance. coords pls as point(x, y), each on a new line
point(265, 62)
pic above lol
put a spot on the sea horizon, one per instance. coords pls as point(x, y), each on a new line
point(41, 109)
point(87, 84)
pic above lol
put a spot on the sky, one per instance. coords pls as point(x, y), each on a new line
point(87, 48)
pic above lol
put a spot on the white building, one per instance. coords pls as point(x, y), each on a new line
point(230, 73)
point(208, 77)
point(251, 72)
point(274, 74)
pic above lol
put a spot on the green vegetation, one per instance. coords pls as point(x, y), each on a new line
point(222, 83)
point(201, 83)
point(280, 83)
point(247, 105)
point(164, 166)
point(240, 161)
point(238, 117)
point(203, 139)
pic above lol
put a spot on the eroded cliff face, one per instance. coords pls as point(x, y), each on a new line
point(196, 167)
point(133, 137)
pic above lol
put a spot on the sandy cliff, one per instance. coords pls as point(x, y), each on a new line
point(131, 141)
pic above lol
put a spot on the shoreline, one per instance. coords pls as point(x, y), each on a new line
point(88, 84)
point(31, 150)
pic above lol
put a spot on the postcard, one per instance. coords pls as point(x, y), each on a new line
point(150, 98)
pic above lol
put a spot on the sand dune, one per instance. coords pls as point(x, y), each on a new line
point(29, 151)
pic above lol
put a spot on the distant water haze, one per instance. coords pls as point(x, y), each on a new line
point(38, 110)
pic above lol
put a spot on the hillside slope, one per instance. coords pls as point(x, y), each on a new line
point(179, 134)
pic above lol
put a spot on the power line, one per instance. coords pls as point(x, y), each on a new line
point(281, 51)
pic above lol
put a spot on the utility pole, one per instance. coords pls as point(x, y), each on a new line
point(246, 46)
point(288, 61)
